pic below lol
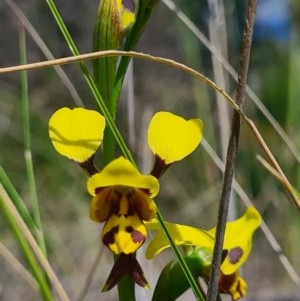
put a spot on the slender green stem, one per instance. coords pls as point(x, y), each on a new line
point(112, 134)
point(27, 146)
point(126, 289)
point(18, 202)
point(185, 269)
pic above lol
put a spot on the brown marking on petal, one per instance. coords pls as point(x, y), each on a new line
point(129, 5)
point(89, 166)
point(132, 199)
point(99, 189)
point(109, 237)
point(226, 282)
point(136, 236)
point(114, 199)
point(131, 210)
point(159, 167)
point(231, 284)
point(239, 288)
point(145, 190)
point(126, 264)
point(235, 254)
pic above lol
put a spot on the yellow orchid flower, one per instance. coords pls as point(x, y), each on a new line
point(238, 243)
point(171, 138)
point(77, 133)
point(123, 199)
point(122, 196)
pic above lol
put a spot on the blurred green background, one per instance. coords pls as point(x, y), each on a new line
point(190, 191)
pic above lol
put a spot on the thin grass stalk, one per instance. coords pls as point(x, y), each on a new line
point(89, 279)
point(17, 200)
point(27, 252)
point(45, 50)
point(18, 267)
point(26, 233)
point(232, 150)
point(173, 64)
point(218, 37)
point(27, 146)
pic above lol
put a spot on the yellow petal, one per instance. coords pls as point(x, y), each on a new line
point(181, 234)
point(77, 133)
point(238, 240)
point(121, 172)
point(124, 231)
point(127, 11)
point(172, 138)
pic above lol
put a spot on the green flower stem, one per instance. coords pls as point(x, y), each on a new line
point(28, 254)
point(145, 10)
point(27, 147)
point(112, 135)
point(194, 286)
point(126, 288)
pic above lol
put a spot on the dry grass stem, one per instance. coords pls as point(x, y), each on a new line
point(18, 267)
point(31, 240)
point(171, 63)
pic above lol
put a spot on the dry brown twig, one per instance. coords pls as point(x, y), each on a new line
point(174, 64)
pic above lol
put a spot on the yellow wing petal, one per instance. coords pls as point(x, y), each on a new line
point(172, 138)
point(181, 234)
point(238, 239)
point(77, 133)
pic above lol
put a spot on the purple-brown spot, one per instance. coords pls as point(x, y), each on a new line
point(136, 236)
point(129, 5)
point(235, 254)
